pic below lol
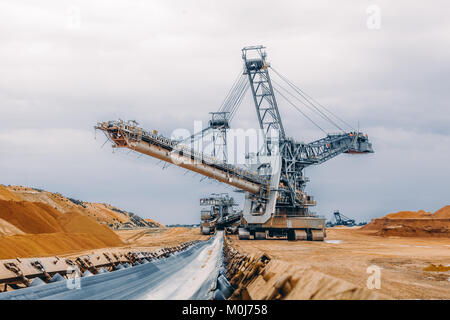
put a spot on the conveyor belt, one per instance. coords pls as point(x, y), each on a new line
point(190, 274)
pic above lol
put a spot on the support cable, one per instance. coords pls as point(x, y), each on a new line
point(309, 106)
point(308, 97)
point(235, 96)
point(231, 89)
point(299, 110)
point(239, 101)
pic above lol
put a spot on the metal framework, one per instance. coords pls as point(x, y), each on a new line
point(291, 198)
point(341, 220)
point(269, 193)
point(219, 125)
point(128, 135)
point(256, 68)
point(297, 156)
point(218, 213)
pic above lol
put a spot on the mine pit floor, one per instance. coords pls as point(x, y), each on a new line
point(348, 252)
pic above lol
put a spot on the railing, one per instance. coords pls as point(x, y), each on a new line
point(135, 133)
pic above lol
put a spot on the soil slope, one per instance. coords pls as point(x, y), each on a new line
point(413, 224)
point(8, 229)
point(103, 213)
point(35, 229)
point(156, 223)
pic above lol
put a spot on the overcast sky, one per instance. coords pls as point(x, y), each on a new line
point(64, 65)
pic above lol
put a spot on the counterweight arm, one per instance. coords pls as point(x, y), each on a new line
point(331, 146)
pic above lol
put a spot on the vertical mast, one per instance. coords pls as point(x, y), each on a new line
point(256, 68)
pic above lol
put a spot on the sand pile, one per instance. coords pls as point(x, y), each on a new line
point(437, 268)
point(5, 194)
point(101, 212)
point(159, 225)
point(35, 222)
point(8, 229)
point(36, 229)
point(443, 213)
point(30, 217)
point(73, 222)
point(413, 224)
point(47, 244)
point(421, 214)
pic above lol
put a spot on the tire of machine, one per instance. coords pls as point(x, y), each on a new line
point(206, 230)
point(300, 235)
point(260, 236)
point(317, 235)
point(290, 235)
point(244, 234)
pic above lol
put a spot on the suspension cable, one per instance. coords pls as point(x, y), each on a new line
point(232, 98)
point(299, 110)
point(309, 106)
point(309, 98)
point(238, 78)
point(235, 96)
point(239, 101)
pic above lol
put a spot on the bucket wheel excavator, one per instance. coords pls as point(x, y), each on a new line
point(276, 204)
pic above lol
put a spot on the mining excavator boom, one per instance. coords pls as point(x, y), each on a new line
point(128, 135)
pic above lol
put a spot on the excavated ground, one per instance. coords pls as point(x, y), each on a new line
point(411, 267)
point(147, 239)
point(155, 238)
point(348, 252)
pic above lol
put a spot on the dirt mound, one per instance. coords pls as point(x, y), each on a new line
point(35, 245)
point(7, 229)
point(437, 268)
point(30, 217)
point(156, 223)
point(5, 194)
point(443, 213)
point(73, 222)
point(421, 214)
point(414, 227)
point(35, 222)
point(35, 229)
point(103, 213)
point(413, 224)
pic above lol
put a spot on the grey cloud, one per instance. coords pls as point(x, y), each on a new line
point(167, 64)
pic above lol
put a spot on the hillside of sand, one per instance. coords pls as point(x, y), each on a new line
point(412, 224)
point(30, 229)
point(156, 223)
point(103, 213)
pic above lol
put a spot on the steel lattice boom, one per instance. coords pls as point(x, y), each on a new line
point(275, 202)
